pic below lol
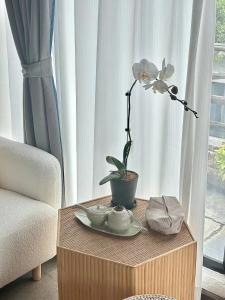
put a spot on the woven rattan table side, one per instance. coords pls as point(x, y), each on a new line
point(133, 251)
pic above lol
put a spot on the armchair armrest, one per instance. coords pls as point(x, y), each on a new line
point(30, 171)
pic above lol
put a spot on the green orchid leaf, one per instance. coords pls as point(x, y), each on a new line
point(126, 152)
point(113, 175)
point(115, 162)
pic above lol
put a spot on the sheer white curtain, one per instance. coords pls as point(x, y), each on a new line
point(109, 36)
point(11, 84)
point(194, 157)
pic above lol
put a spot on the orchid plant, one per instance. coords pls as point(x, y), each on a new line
point(150, 77)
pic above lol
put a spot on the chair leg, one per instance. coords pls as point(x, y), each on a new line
point(36, 273)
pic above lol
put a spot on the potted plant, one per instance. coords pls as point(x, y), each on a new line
point(124, 181)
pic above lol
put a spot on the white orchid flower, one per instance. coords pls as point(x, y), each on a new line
point(167, 71)
point(160, 86)
point(145, 71)
point(157, 86)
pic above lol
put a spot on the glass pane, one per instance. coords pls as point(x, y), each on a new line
point(214, 239)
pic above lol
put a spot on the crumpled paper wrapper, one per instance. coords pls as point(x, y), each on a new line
point(165, 214)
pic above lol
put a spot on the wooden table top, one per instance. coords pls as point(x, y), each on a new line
point(130, 251)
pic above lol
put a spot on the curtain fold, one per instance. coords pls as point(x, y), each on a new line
point(32, 28)
point(65, 73)
point(194, 158)
point(11, 85)
point(5, 107)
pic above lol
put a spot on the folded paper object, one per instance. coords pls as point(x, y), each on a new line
point(164, 214)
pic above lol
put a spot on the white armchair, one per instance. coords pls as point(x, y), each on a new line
point(30, 194)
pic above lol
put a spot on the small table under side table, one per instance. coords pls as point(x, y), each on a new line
point(97, 266)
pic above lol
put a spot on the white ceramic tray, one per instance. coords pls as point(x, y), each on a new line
point(134, 228)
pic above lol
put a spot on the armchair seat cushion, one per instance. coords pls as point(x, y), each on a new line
point(27, 234)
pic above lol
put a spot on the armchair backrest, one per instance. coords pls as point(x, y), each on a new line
point(30, 171)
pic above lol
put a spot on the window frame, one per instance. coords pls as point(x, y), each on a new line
point(214, 264)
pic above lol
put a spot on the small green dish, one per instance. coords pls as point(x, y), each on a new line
point(134, 229)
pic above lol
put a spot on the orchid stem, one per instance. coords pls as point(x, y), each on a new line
point(127, 129)
point(184, 103)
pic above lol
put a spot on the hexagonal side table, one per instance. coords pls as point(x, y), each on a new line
point(97, 266)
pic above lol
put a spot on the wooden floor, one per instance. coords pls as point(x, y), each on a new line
point(25, 288)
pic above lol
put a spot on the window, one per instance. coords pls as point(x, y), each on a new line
point(214, 238)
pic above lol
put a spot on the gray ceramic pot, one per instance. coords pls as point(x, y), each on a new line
point(123, 190)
